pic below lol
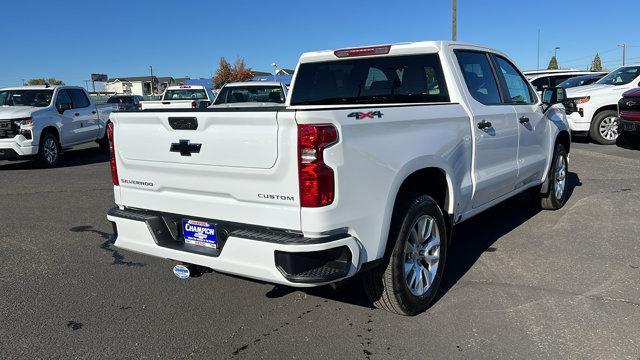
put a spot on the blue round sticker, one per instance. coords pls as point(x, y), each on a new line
point(181, 272)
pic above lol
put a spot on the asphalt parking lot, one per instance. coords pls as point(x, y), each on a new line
point(521, 283)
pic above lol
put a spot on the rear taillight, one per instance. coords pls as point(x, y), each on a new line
point(139, 106)
point(317, 186)
point(193, 104)
point(112, 155)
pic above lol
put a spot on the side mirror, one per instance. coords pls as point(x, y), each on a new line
point(555, 95)
point(63, 107)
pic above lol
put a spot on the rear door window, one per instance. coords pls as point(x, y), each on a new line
point(78, 98)
point(376, 80)
point(479, 77)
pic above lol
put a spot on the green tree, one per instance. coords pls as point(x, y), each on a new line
point(553, 63)
point(596, 65)
point(223, 74)
point(42, 81)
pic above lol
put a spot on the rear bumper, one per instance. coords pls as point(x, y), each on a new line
point(272, 256)
point(17, 147)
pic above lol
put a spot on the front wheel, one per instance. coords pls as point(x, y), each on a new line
point(407, 282)
point(556, 195)
point(605, 127)
point(49, 151)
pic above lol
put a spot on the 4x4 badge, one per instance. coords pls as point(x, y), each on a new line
point(364, 115)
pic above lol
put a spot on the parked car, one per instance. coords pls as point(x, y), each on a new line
point(181, 97)
point(126, 102)
point(581, 80)
point(629, 113)
point(594, 108)
point(251, 93)
point(549, 80)
point(377, 154)
point(42, 121)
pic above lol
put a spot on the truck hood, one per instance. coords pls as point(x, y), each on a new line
point(587, 90)
point(17, 112)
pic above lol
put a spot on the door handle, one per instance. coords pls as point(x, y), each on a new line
point(77, 114)
point(523, 120)
point(484, 124)
point(93, 112)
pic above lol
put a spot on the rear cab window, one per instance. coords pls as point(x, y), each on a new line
point(185, 94)
point(250, 93)
point(373, 80)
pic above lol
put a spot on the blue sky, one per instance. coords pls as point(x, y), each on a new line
point(71, 39)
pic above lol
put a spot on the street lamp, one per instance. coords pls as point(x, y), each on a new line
point(555, 52)
point(275, 70)
point(624, 53)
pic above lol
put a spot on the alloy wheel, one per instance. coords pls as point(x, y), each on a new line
point(422, 255)
point(609, 128)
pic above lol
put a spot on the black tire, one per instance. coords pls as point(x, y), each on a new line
point(630, 139)
point(103, 143)
point(594, 131)
point(385, 285)
point(553, 200)
point(49, 151)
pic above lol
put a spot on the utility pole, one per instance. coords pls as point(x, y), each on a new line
point(23, 82)
point(86, 85)
point(151, 83)
point(538, 68)
point(624, 53)
point(454, 20)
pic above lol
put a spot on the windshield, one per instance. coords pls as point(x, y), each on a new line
point(37, 98)
point(621, 76)
point(578, 81)
point(250, 93)
point(185, 94)
point(389, 79)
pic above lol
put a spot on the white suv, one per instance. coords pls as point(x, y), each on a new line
point(378, 152)
point(594, 108)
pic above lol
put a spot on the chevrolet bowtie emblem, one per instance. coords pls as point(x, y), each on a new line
point(185, 147)
point(631, 103)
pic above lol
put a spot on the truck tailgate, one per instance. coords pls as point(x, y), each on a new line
point(238, 166)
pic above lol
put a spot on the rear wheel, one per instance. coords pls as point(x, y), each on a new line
point(407, 282)
point(604, 127)
point(557, 193)
point(103, 143)
point(49, 150)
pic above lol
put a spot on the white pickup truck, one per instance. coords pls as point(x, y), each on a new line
point(181, 97)
point(42, 121)
point(594, 108)
point(378, 152)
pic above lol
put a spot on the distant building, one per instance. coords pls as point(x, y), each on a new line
point(141, 85)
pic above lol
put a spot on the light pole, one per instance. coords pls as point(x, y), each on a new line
point(454, 20)
point(151, 83)
point(624, 53)
point(555, 52)
point(275, 70)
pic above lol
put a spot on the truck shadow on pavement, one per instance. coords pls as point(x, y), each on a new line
point(70, 158)
point(470, 240)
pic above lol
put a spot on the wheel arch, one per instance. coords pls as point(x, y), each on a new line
point(613, 107)
point(50, 129)
point(433, 180)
